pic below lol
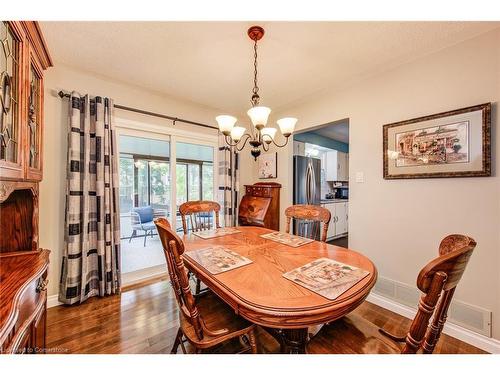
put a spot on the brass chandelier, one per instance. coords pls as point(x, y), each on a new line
point(261, 136)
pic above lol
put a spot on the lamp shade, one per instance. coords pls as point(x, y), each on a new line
point(268, 134)
point(259, 116)
point(226, 123)
point(287, 125)
point(237, 133)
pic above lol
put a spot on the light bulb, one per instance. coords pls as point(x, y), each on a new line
point(268, 134)
point(237, 133)
point(259, 116)
point(226, 123)
point(287, 125)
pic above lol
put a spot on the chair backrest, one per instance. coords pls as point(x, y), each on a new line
point(199, 214)
point(173, 248)
point(145, 213)
point(438, 280)
point(309, 220)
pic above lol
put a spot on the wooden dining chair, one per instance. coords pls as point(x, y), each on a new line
point(197, 216)
point(437, 281)
point(206, 322)
point(309, 220)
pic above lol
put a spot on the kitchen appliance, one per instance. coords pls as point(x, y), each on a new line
point(306, 180)
point(342, 192)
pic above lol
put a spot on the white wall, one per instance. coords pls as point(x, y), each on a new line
point(399, 224)
point(53, 186)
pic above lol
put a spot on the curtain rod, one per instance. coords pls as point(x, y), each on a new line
point(63, 94)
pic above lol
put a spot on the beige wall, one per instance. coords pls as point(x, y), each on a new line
point(53, 186)
point(399, 224)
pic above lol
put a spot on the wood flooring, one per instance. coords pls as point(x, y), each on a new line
point(145, 320)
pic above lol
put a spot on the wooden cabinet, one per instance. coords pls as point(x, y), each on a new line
point(22, 63)
point(338, 225)
point(260, 206)
point(336, 166)
point(23, 265)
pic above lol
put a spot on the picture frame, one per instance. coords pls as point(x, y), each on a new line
point(448, 144)
point(268, 166)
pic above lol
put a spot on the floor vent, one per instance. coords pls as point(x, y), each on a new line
point(463, 314)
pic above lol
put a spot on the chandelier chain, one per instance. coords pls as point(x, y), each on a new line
point(255, 90)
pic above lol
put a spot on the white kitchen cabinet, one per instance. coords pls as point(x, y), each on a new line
point(336, 166)
point(339, 221)
point(299, 148)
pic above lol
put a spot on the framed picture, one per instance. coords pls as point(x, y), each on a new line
point(448, 144)
point(268, 165)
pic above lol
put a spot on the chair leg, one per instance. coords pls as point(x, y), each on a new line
point(391, 336)
point(134, 233)
point(145, 237)
point(198, 286)
point(253, 343)
point(178, 340)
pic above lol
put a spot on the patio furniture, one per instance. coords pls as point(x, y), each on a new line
point(142, 219)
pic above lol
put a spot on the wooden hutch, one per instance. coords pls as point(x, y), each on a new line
point(260, 206)
point(23, 265)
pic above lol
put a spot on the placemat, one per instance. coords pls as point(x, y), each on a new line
point(326, 277)
point(287, 239)
point(218, 259)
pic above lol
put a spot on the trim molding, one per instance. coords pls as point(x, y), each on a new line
point(482, 342)
point(53, 301)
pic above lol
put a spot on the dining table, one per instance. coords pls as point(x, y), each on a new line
point(261, 294)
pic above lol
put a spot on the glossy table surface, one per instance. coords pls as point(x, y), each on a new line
point(261, 294)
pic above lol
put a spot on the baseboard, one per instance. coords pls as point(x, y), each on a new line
point(482, 342)
point(53, 301)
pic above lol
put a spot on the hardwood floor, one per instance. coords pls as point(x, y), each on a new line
point(145, 320)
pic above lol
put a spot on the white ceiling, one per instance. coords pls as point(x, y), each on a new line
point(210, 63)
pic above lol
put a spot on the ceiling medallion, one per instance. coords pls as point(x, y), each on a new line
point(261, 136)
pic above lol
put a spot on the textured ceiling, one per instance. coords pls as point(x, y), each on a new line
point(210, 63)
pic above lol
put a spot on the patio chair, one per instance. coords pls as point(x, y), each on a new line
point(142, 219)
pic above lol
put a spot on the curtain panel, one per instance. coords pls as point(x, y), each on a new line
point(229, 182)
point(91, 258)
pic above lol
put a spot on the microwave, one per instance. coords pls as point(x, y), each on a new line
point(342, 192)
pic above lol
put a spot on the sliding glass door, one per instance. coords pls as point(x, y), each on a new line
point(194, 173)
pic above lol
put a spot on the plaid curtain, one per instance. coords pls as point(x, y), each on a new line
point(229, 182)
point(91, 259)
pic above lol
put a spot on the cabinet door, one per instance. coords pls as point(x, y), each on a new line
point(34, 115)
point(331, 226)
point(342, 166)
point(11, 101)
point(331, 167)
point(341, 218)
point(38, 333)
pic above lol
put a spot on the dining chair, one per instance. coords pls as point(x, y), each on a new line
point(207, 321)
point(437, 281)
point(197, 216)
point(309, 220)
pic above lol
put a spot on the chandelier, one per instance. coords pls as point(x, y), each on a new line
point(260, 135)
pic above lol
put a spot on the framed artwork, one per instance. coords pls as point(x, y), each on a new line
point(268, 165)
point(449, 144)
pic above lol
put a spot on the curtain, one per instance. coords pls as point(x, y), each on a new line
point(229, 180)
point(91, 258)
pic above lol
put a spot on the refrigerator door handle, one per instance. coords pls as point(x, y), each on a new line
point(313, 184)
point(308, 184)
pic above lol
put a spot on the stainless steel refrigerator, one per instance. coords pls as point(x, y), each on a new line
point(306, 180)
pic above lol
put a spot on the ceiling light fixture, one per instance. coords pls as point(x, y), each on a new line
point(261, 136)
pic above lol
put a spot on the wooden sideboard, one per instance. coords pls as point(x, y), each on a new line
point(23, 265)
point(260, 206)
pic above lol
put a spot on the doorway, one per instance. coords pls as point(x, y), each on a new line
point(158, 172)
point(328, 146)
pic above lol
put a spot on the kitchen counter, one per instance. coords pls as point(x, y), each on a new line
point(333, 200)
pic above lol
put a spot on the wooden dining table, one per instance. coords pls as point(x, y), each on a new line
point(259, 292)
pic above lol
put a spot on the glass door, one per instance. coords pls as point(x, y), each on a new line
point(194, 174)
point(145, 194)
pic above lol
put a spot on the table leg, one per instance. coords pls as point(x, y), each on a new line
point(294, 341)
